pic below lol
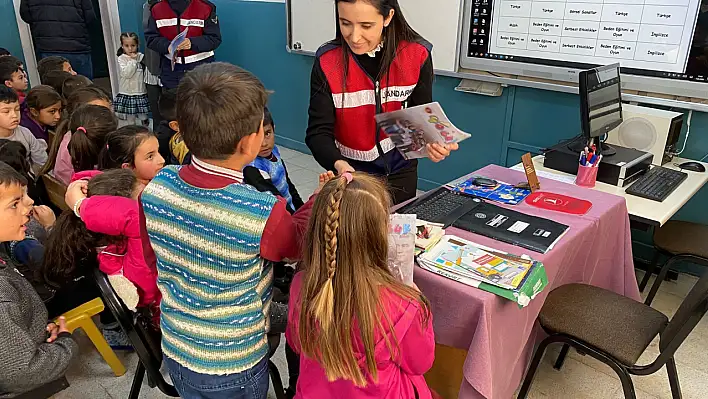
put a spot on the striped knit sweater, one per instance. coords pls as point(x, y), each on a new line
point(215, 291)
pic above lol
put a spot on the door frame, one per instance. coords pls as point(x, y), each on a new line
point(110, 24)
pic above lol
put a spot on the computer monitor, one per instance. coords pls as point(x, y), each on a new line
point(600, 106)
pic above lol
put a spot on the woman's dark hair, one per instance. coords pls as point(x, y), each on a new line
point(121, 146)
point(79, 97)
point(43, 96)
point(127, 35)
point(74, 83)
point(55, 79)
point(89, 126)
point(70, 251)
point(396, 32)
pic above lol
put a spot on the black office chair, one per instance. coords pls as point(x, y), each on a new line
point(679, 241)
point(144, 339)
point(146, 343)
point(616, 330)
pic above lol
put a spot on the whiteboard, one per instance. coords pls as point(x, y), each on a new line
point(312, 23)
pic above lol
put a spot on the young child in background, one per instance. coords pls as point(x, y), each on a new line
point(35, 352)
point(10, 128)
point(112, 232)
point(131, 103)
point(56, 80)
point(224, 353)
point(171, 149)
point(59, 157)
point(134, 148)
point(41, 111)
point(390, 342)
point(89, 125)
point(74, 83)
point(54, 63)
point(272, 168)
point(13, 76)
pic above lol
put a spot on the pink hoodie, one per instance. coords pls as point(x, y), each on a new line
point(397, 375)
point(120, 217)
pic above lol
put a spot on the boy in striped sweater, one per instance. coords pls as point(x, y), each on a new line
point(209, 234)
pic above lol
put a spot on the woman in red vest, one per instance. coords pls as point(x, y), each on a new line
point(377, 63)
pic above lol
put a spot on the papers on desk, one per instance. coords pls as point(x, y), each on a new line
point(518, 279)
point(547, 175)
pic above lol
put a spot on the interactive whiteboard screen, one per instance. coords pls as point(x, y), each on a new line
point(641, 34)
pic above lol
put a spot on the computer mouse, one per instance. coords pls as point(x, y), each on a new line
point(484, 182)
point(693, 166)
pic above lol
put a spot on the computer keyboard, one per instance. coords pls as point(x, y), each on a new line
point(657, 184)
point(440, 206)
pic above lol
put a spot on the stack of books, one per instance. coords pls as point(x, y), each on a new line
point(517, 278)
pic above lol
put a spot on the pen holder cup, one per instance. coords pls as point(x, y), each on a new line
point(587, 176)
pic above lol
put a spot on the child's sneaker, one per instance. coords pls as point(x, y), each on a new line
point(117, 339)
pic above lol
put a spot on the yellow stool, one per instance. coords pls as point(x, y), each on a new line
point(80, 317)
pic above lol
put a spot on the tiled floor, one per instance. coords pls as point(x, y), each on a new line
point(581, 377)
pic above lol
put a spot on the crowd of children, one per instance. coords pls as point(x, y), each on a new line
point(195, 224)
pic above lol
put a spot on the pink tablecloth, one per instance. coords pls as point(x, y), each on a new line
point(499, 337)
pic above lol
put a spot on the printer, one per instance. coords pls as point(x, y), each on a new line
point(619, 169)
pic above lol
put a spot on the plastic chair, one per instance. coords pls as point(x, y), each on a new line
point(679, 241)
point(616, 330)
point(144, 339)
point(80, 317)
point(56, 191)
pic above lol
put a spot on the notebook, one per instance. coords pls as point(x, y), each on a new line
point(526, 231)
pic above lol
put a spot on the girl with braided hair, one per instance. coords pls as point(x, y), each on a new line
point(360, 332)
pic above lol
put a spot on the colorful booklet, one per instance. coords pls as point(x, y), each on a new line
point(470, 260)
point(503, 192)
point(401, 246)
point(411, 129)
point(427, 234)
point(172, 48)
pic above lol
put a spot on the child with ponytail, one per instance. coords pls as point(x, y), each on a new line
point(132, 147)
point(59, 157)
point(89, 125)
point(374, 341)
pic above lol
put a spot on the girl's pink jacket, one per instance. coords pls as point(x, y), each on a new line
point(397, 375)
point(119, 217)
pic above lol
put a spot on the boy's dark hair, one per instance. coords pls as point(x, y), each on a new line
point(267, 118)
point(218, 104)
point(89, 124)
point(9, 176)
point(121, 146)
point(55, 79)
point(72, 252)
point(14, 154)
point(53, 63)
point(168, 105)
point(4, 52)
point(42, 96)
point(8, 95)
point(73, 83)
point(8, 66)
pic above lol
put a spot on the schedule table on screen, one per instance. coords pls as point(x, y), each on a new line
point(634, 32)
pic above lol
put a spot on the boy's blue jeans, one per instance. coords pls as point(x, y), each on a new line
point(249, 384)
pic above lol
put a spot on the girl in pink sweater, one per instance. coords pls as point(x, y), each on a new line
point(104, 225)
point(360, 332)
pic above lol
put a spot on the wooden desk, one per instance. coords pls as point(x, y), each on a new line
point(641, 210)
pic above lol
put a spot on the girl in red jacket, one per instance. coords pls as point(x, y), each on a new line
point(104, 225)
